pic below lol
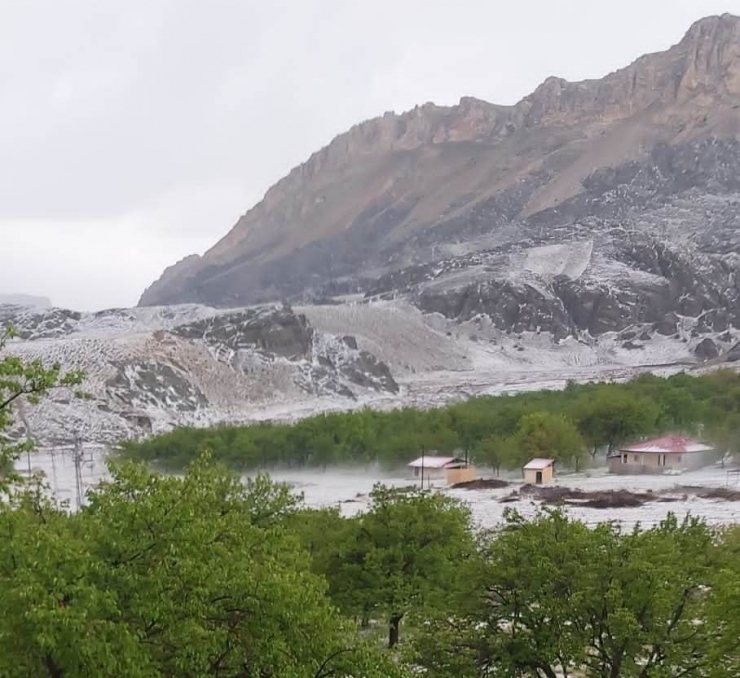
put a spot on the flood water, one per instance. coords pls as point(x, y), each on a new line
point(70, 476)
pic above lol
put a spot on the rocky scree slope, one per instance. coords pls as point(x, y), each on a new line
point(150, 369)
point(588, 207)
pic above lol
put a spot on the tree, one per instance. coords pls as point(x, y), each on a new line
point(611, 418)
point(471, 426)
point(496, 452)
point(162, 576)
point(552, 597)
point(19, 380)
point(542, 434)
point(725, 435)
point(723, 606)
point(400, 555)
point(604, 414)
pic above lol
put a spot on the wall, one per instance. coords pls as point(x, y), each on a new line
point(530, 477)
point(430, 474)
point(650, 463)
point(460, 475)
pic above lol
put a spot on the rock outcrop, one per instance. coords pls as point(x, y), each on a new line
point(150, 369)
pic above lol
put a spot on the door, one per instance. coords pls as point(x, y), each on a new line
point(538, 478)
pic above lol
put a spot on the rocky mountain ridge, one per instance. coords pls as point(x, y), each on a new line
point(435, 185)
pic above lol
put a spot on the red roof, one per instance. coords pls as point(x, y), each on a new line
point(672, 444)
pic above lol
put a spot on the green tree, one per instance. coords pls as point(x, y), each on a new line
point(604, 414)
point(543, 434)
point(471, 426)
point(400, 555)
point(725, 435)
point(162, 576)
point(552, 597)
point(23, 380)
point(723, 605)
point(611, 418)
point(496, 452)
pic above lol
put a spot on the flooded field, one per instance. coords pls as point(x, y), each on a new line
point(70, 477)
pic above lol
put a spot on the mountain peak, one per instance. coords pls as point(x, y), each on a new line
point(709, 24)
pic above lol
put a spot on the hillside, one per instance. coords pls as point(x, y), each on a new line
point(150, 369)
point(586, 207)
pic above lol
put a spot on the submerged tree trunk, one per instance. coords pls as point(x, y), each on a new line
point(394, 630)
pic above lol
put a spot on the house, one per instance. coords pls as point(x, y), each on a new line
point(667, 453)
point(539, 471)
point(431, 470)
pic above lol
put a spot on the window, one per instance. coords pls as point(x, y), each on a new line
point(678, 458)
point(636, 458)
point(624, 458)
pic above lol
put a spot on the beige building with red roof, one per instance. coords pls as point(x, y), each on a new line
point(667, 453)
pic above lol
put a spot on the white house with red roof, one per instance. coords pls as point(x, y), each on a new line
point(658, 455)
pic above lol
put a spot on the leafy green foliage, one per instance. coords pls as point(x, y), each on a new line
point(164, 576)
point(552, 597)
point(203, 575)
point(497, 452)
point(398, 557)
point(611, 418)
point(542, 434)
point(29, 381)
point(559, 424)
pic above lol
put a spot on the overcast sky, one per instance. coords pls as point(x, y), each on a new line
point(136, 132)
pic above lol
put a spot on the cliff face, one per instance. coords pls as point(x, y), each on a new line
point(646, 157)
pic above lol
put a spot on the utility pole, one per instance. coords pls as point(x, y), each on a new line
point(78, 458)
point(29, 435)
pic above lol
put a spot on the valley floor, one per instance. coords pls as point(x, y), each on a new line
point(349, 490)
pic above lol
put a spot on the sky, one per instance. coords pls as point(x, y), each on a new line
point(135, 133)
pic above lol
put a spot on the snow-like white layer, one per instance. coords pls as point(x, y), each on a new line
point(538, 464)
point(395, 332)
point(569, 259)
point(434, 360)
point(349, 490)
point(431, 462)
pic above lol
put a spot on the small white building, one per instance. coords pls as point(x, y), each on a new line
point(539, 471)
point(434, 470)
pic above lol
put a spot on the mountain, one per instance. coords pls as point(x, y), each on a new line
point(24, 300)
point(591, 231)
point(586, 207)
